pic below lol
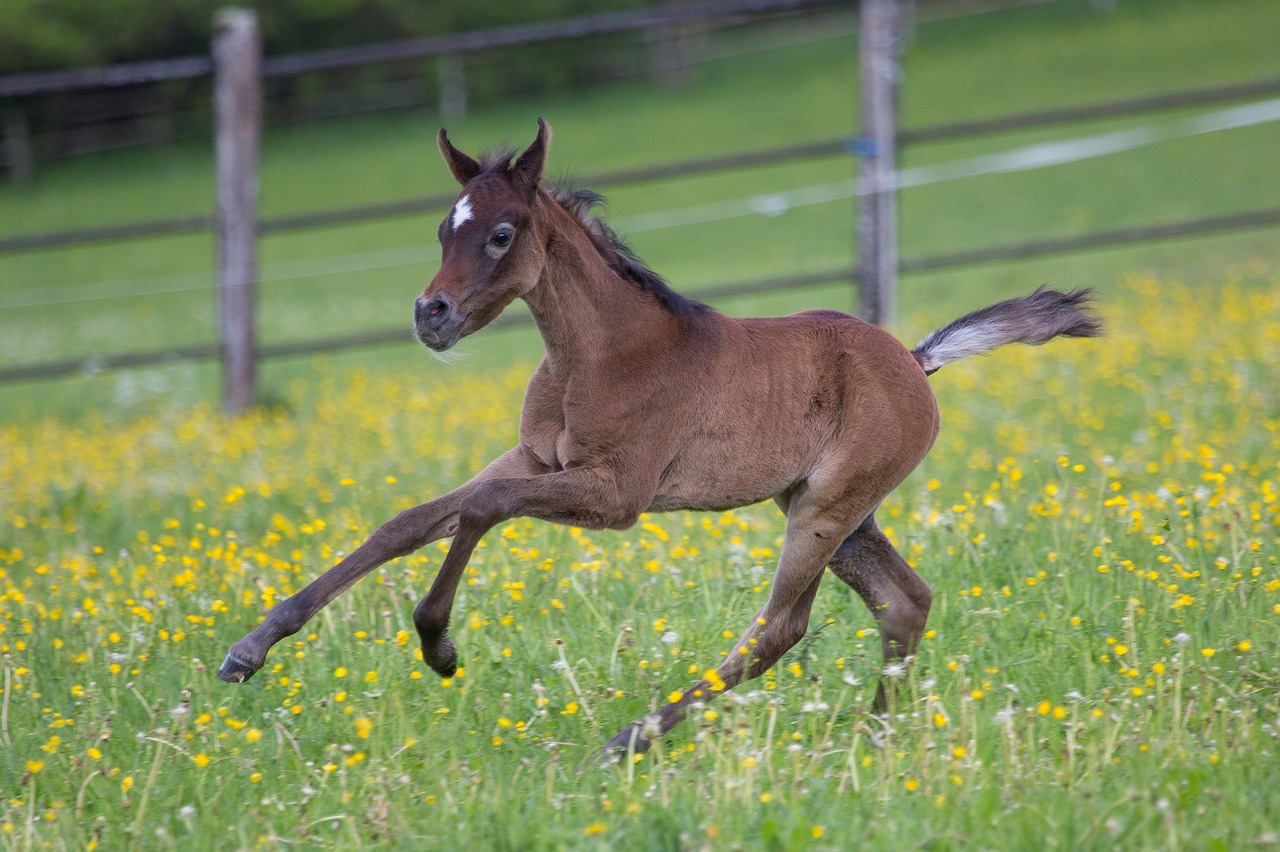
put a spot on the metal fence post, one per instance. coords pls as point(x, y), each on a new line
point(237, 62)
point(877, 203)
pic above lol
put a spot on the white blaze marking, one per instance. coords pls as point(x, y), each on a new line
point(462, 212)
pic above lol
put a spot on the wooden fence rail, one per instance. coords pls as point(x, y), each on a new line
point(201, 222)
point(1217, 225)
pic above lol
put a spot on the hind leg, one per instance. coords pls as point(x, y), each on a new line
point(814, 525)
point(896, 595)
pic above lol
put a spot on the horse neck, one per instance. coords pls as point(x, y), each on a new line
point(585, 312)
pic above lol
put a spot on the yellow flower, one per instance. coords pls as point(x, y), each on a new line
point(594, 829)
point(363, 727)
point(34, 766)
point(201, 760)
point(253, 735)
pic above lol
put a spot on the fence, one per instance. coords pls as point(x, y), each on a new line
point(659, 28)
point(876, 146)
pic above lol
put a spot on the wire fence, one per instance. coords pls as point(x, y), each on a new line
point(843, 146)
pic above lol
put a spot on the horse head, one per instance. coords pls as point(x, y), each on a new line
point(491, 250)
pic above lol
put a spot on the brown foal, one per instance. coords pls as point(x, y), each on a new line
point(649, 401)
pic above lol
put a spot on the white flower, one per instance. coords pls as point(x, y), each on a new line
point(895, 671)
point(652, 728)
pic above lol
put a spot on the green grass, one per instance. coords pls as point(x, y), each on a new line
point(1100, 521)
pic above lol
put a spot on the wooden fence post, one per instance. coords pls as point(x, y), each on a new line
point(877, 202)
point(237, 62)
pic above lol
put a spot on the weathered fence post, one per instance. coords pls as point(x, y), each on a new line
point(453, 88)
point(237, 62)
point(877, 203)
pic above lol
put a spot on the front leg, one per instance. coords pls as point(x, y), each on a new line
point(403, 534)
point(582, 497)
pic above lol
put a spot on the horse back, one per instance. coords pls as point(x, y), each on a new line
point(787, 396)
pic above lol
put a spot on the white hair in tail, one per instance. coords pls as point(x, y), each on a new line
point(1034, 319)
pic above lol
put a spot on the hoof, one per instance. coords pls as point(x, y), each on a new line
point(441, 657)
point(629, 739)
point(235, 670)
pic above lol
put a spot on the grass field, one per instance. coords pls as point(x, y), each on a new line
point(1100, 520)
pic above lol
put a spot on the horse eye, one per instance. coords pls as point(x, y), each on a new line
point(502, 239)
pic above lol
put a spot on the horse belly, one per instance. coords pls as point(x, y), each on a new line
point(704, 479)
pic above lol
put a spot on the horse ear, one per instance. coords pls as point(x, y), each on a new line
point(528, 169)
point(463, 167)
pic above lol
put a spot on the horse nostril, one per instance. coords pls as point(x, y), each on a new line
point(432, 313)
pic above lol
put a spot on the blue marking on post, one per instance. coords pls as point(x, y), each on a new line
point(862, 146)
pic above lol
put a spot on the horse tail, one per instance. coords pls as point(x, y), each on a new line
point(1034, 319)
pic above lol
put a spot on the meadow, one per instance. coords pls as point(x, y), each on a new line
point(1100, 520)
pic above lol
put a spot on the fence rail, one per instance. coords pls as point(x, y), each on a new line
point(1209, 226)
point(179, 225)
point(134, 73)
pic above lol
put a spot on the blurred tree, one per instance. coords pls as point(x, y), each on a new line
point(45, 34)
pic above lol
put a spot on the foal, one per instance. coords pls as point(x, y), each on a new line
point(649, 401)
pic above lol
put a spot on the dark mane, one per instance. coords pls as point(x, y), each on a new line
point(497, 160)
point(581, 203)
point(618, 255)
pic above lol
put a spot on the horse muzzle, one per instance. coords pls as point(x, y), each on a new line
point(436, 322)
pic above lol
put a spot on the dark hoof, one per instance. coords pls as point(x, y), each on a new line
point(629, 739)
point(236, 670)
point(441, 657)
